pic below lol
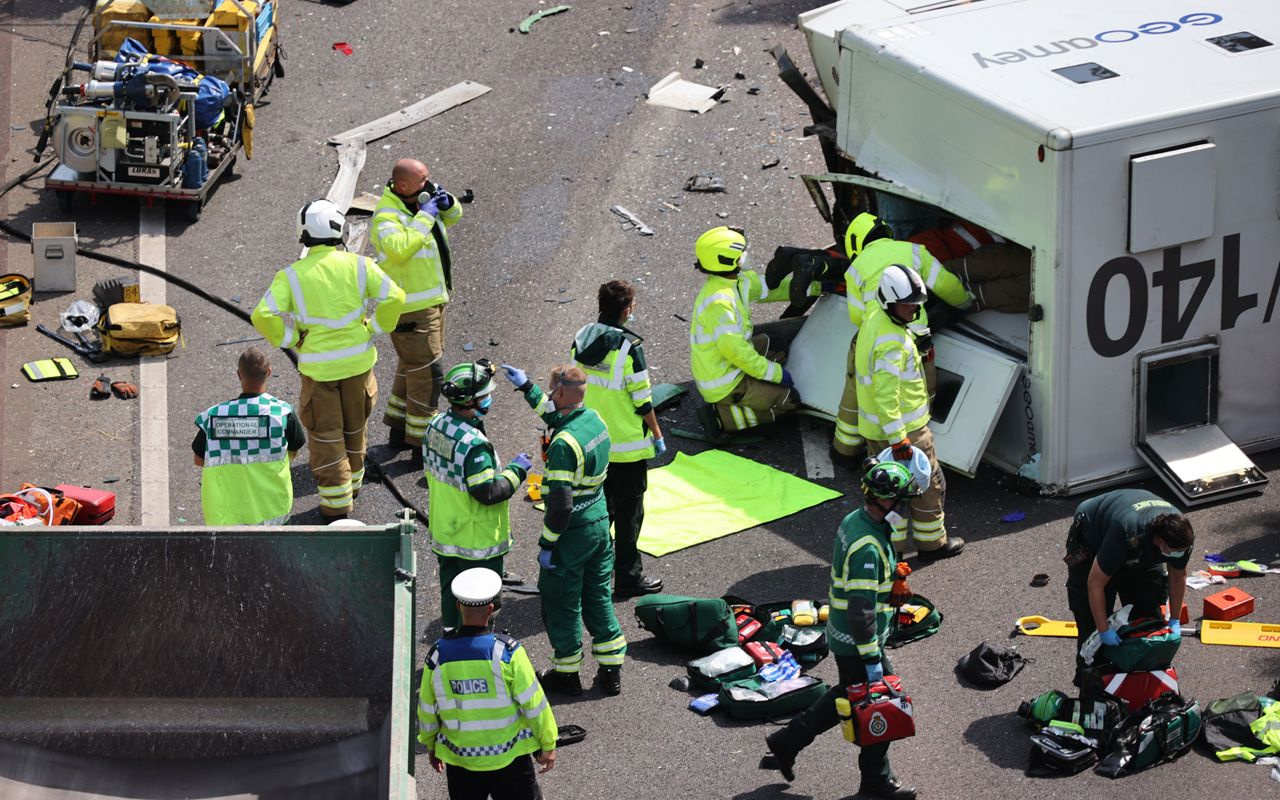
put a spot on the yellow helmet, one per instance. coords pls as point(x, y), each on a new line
point(720, 249)
point(864, 229)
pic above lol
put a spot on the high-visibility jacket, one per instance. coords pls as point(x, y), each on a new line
point(246, 478)
point(861, 567)
point(457, 458)
point(577, 458)
point(413, 248)
point(480, 704)
point(862, 277)
point(1266, 728)
point(893, 400)
point(720, 350)
point(617, 387)
point(317, 306)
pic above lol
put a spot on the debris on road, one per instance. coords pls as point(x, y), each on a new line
point(635, 222)
point(740, 76)
point(704, 182)
point(427, 107)
point(1014, 516)
point(673, 92)
point(699, 64)
point(753, 90)
point(240, 341)
point(770, 162)
point(467, 347)
point(532, 18)
point(343, 47)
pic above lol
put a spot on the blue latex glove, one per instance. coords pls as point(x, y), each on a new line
point(1175, 626)
point(787, 382)
point(428, 204)
point(515, 375)
point(544, 560)
point(523, 461)
point(1110, 638)
point(875, 672)
point(659, 446)
point(443, 201)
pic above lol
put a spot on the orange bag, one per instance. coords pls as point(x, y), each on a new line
point(15, 509)
point(64, 509)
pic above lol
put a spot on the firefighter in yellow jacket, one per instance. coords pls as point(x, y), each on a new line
point(734, 367)
point(409, 233)
point(481, 712)
point(316, 306)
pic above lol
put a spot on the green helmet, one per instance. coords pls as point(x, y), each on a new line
point(889, 480)
point(468, 382)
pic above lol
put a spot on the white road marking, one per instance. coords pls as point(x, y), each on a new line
point(153, 377)
point(817, 459)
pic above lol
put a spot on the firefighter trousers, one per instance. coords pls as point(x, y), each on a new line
point(873, 760)
point(925, 518)
point(415, 393)
point(755, 402)
point(998, 275)
point(336, 415)
point(577, 591)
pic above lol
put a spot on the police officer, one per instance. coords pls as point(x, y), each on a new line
point(742, 386)
point(245, 446)
point(316, 306)
point(893, 405)
point(618, 390)
point(862, 574)
point(410, 236)
point(575, 553)
point(467, 490)
point(481, 712)
point(1131, 543)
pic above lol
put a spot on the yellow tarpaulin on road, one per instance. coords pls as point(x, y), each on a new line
point(699, 498)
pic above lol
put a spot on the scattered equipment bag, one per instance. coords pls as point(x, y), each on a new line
point(15, 300)
point(808, 645)
point(755, 698)
point(723, 666)
point(1162, 730)
point(139, 329)
point(1132, 689)
point(1228, 722)
point(1059, 750)
point(97, 506)
point(1095, 717)
point(703, 625)
point(915, 619)
point(881, 712)
point(991, 665)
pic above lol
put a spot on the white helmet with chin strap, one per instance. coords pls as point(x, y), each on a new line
point(899, 284)
point(320, 221)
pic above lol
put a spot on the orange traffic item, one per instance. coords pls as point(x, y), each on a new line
point(1228, 604)
point(1184, 616)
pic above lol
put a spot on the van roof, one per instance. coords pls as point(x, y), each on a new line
point(1078, 70)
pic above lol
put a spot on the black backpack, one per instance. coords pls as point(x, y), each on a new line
point(1162, 730)
point(990, 665)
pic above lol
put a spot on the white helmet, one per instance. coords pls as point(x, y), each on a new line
point(320, 221)
point(899, 284)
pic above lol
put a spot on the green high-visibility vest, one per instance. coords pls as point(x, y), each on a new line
point(246, 478)
point(577, 458)
point(457, 457)
point(861, 565)
point(406, 245)
point(618, 387)
point(1267, 729)
point(893, 399)
point(480, 705)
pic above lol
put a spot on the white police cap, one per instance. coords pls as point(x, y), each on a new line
point(476, 586)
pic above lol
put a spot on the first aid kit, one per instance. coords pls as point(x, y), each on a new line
point(139, 329)
point(880, 712)
point(15, 300)
point(97, 506)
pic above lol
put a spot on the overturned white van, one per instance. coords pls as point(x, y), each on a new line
point(1134, 148)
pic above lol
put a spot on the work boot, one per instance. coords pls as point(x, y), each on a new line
point(784, 764)
point(610, 680)
point(851, 461)
point(569, 683)
point(645, 585)
point(886, 789)
point(396, 441)
point(952, 548)
point(415, 456)
point(710, 421)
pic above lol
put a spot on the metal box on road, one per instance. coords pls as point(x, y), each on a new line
point(54, 247)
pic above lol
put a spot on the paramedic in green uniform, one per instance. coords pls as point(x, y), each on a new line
point(1131, 543)
point(575, 553)
point(862, 574)
point(467, 489)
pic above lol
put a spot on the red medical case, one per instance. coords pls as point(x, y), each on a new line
point(885, 715)
point(763, 652)
point(96, 505)
point(1134, 689)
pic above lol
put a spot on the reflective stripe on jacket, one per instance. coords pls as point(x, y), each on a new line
point(860, 566)
point(245, 479)
point(862, 277)
point(893, 399)
point(406, 248)
point(320, 302)
point(720, 350)
point(457, 457)
point(618, 387)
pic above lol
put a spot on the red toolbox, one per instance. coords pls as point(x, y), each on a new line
point(1134, 689)
point(885, 715)
point(97, 506)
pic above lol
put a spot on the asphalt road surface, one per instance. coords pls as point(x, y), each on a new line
point(564, 135)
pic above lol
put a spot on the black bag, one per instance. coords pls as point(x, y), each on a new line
point(990, 665)
point(1226, 722)
point(1162, 730)
point(1055, 751)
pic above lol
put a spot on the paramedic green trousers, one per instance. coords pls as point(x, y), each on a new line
point(450, 566)
point(873, 761)
point(578, 591)
point(1146, 588)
